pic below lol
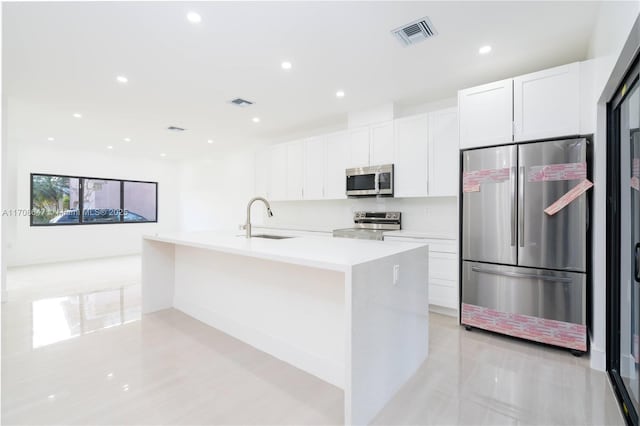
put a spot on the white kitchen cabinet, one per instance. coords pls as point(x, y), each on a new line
point(411, 156)
point(444, 153)
point(314, 168)
point(359, 147)
point(277, 172)
point(485, 114)
point(382, 144)
point(261, 175)
point(547, 103)
point(337, 160)
point(295, 170)
point(443, 270)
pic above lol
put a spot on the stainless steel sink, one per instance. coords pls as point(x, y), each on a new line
point(270, 237)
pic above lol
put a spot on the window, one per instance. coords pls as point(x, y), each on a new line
point(72, 200)
point(139, 201)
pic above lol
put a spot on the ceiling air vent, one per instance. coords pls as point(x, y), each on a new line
point(241, 102)
point(415, 32)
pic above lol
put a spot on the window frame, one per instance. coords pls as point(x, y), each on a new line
point(81, 180)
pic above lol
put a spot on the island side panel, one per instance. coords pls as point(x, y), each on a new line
point(295, 313)
point(389, 331)
point(157, 275)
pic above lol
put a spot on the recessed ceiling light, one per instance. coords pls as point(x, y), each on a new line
point(286, 65)
point(484, 50)
point(162, 154)
point(256, 119)
point(122, 79)
point(339, 94)
point(210, 141)
point(77, 115)
point(110, 147)
point(127, 139)
point(51, 139)
point(194, 17)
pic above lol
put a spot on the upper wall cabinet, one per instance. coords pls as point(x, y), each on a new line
point(262, 159)
point(382, 144)
point(295, 170)
point(337, 155)
point(314, 168)
point(443, 153)
point(540, 105)
point(359, 147)
point(411, 154)
point(277, 179)
point(426, 155)
point(486, 114)
point(547, 103)
point(423, 149)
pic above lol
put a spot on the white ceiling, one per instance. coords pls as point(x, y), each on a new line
point(62, 58)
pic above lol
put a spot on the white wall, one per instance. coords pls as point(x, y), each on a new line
point(613, 26)
point(29, 245)
point(437, 215)
point(214, 193)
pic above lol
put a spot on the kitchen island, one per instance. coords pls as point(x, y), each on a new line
point(353, 313)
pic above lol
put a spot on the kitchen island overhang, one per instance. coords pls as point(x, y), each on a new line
point(353, 313)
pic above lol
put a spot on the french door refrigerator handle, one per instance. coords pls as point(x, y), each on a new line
point(521, 207)
point(522, 275)
point(514, 207)
point(637, 267)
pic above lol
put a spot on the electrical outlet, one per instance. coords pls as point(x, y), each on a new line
point(396, 274)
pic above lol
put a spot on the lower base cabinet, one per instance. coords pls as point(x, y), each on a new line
point(443, 269)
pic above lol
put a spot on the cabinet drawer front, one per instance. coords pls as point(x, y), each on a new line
point(443, 266)
point(443, 296)
point(443, 282)
point(442, 246)
point(435, 244)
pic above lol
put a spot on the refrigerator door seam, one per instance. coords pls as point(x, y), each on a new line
point(521, 207)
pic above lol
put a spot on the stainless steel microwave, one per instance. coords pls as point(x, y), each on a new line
point(370, 181)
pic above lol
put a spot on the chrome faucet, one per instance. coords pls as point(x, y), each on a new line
point(247, 225)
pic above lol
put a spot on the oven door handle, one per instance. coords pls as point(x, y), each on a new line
point(377, 182)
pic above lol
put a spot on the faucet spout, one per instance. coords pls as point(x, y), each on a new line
point(247, 225)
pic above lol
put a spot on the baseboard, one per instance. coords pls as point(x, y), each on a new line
point(285, 351)
point(443, 311)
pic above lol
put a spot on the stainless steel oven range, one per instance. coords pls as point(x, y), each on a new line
point(371, 225)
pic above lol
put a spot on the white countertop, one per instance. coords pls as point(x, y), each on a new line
point(337, 254)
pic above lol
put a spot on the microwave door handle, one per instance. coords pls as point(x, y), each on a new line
point(377, 182)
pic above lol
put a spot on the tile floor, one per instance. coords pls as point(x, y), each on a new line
point(75, 351)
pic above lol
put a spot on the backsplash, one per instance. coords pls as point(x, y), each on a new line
point(437, 215)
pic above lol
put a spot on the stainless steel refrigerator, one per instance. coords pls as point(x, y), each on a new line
point(524, 272)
